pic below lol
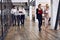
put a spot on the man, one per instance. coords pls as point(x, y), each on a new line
point(13, 11)
point(5, 13)
point(22, 17)
point(18, 16)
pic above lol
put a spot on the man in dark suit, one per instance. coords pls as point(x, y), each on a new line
point(39, 16)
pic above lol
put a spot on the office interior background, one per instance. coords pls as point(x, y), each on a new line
point(30, 7)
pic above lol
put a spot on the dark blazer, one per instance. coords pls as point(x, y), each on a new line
point(38, 16)
point(37, 13)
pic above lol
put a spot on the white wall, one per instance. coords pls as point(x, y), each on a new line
point(54, 13)
point(30, 13)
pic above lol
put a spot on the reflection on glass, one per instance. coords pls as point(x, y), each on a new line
point(0, 20)
point(6, 6)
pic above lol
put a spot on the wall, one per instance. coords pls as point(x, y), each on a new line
point(32, 10)
point(54, 13)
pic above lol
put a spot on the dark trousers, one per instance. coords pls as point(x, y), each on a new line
point(39, 24)
point(4, 19)
point(22, 19)
point(39, 21)
point(18, 19)
point(13, 20)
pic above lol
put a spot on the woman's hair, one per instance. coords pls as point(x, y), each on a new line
point(47, 6)
point(39, 5)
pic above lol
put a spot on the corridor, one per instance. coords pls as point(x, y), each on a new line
point(22, 19)
point(30, 32)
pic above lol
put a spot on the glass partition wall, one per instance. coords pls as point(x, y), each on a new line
point(5, 17)
point(0, 21)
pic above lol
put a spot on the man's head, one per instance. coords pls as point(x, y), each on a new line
point(4, 6)
point(13, 6)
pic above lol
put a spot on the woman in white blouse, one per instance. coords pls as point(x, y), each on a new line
point(46, 12)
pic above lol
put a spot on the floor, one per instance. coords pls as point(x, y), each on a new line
point(30, 32)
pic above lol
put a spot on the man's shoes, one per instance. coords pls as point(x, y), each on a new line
point(22, 24)
point(18, 24)
point(13, 24)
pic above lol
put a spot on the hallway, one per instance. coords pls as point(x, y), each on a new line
point(30, 32)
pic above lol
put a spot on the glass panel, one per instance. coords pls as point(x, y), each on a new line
point(0, 20)
point(5, 8)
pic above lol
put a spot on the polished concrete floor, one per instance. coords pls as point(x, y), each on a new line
point(30, 32)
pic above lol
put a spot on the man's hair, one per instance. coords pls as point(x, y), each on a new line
point(4, 6)
point(13, 6)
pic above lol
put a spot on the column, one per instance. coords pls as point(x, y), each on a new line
point(54, 13)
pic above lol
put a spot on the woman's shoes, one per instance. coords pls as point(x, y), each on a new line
point(39, 29)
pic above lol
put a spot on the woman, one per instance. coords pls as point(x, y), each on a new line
point(39, 16)
point(46, 11)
